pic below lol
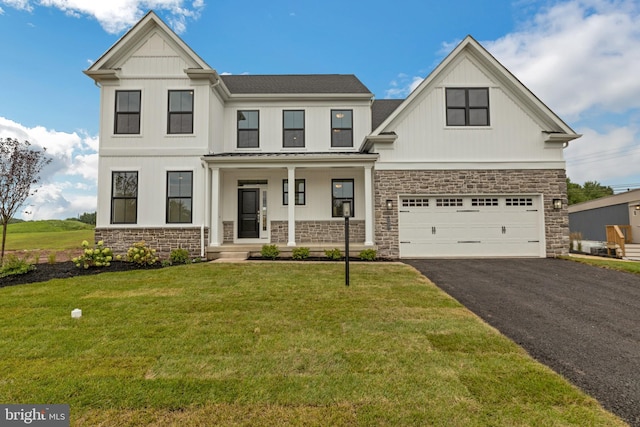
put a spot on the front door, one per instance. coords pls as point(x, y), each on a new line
point(248, 213)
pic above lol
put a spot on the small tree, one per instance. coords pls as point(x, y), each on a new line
point(20, 168)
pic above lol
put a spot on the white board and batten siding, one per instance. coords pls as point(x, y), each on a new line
point(471, 226)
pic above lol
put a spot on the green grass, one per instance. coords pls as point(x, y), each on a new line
point(612, 264)
point(272, 344)
point(48, 235)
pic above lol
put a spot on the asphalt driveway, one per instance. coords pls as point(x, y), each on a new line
point(582, 321)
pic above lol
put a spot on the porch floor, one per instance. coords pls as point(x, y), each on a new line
point(233, 250)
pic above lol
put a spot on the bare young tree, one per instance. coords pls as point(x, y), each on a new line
point(20, 168)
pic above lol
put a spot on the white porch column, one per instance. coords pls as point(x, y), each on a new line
point(291, 211)
point(215, 229)
point(368, 205)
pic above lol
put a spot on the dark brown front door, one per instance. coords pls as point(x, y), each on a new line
point(248, 213)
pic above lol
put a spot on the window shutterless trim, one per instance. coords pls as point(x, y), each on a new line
point(180, 197)
point(341, 128)
point(296, 193)
point(338, 213)
point(135, 114)
point(251, 130)
point(171, 113)
point(467, 108)
point(124, 197)
point(299, 129)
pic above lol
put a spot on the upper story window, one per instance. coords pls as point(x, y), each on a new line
point(179, 196)
point(124, 197)
point(180, 119)
point(127, 119)
point(248, 129)
point(467, 106)
point(293, 128)
point(341, 128)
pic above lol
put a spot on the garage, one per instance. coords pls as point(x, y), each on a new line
point(471, 226)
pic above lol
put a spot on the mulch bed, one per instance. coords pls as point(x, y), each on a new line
point(64, 270)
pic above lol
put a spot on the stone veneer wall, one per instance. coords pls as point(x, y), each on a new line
point(318, 231)
point(227, 231)
point(163, 240)
point(392, 183)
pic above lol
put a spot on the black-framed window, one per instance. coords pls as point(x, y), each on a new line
point(341, 191)
point(179, 196)
point(341, 128)
point(127, 117)
point(248, 129)
point(124, 197)
point(293, 128)
point(180, 111)
point(467, 106)
point(300, 192)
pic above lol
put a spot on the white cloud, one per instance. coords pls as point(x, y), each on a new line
point(402, 86)
point(18, 4)
point(116, 16)
point(604, 156)
point(578, 55)
point(69, 181)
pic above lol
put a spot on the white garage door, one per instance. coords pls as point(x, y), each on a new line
point(471, 226)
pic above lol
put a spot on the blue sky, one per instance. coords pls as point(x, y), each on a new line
point(581, 57)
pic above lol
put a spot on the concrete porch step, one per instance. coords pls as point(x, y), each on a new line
point(232, 256)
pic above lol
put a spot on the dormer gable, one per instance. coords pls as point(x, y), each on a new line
point(482, 69)
point(148, 41)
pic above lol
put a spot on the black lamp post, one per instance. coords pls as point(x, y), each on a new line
point(346, 213)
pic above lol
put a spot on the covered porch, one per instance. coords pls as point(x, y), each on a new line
point(250, 201)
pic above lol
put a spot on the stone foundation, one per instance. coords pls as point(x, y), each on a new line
point(163, 240)
point(390, 184)
point(318, 232)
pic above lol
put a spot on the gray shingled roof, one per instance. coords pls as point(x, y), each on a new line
point(381, 109)
point(295, 83)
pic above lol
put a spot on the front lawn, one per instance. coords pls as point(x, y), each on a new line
point(271, 344)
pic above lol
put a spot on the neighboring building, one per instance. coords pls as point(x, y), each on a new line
point(591, 218)
point(468, 165)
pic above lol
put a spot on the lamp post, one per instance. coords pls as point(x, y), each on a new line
point(346, 213)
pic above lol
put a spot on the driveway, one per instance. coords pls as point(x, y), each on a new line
point(582, 321)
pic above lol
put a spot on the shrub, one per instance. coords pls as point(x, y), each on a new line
point(13, 265)
point(141, 254)
point(368, 255)
point(98, 256)
point(333, 254)
point(51, 258)
point(179, 256)
point(270, 251)
point(300, 253)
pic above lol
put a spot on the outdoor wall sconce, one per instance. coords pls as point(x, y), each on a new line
point(557, 204)
point(389, 205)
point(638, 207)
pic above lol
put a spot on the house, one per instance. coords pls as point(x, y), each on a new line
point(614, 220)
point(470, 164)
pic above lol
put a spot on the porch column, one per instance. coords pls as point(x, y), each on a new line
point(216, 235)
point(291, 209)
point(368, 206)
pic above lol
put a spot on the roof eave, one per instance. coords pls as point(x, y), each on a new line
point(370, 140)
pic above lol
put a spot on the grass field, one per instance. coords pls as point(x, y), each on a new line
point(613, 264)
point(56, 235)
point(272, 344)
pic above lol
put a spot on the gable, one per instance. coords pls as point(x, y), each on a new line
point(155, 54)
point(469, 65)
point(150, 47)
